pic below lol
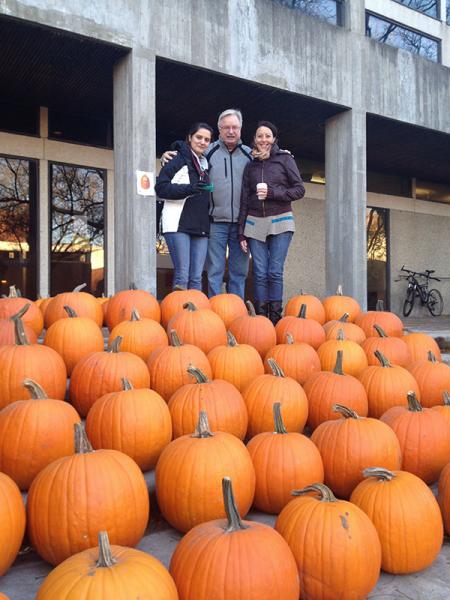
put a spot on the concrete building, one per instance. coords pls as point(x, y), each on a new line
point(92, 92)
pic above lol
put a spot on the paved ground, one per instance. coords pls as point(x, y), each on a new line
point(25, 577)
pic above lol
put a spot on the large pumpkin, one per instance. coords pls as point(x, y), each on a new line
point(135, 421)
point(297, 360)
point(393, 348)
point(200, 327)
point(433, 379)
point(301, 329)
point(173, 303)
point(444, 496)
point(14, 303)
point(324, 389)
point(315, 310)
point(228, 307)
point(406, 516)
point(189, 472)
point(234, 559)
point(420, 344)
point(76, 497)
point(101, 372)
point(12, 521)
point(424, 438)
point(256, 330)
point(354, 359)
point(389, 321)
point(34, 433)
point(223, 403)
point(338, 304)
point(266, 389)
point(367, 441)
point(283, 461)
point(236, 363)
point(334, 543)
point(7, 328)
point(106, 573)
point(139, 335)
point(444, 408)
point(121, 305)
point(168, 366)
point(84, 304)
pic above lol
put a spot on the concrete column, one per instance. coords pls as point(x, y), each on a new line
point(134, 149)
point(354, 15)
point(43, 242)
point(345, 174)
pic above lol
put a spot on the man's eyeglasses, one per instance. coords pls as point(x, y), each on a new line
point(230, 127)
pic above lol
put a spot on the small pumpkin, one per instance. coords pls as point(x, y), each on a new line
point(13, 303)
point(139, 335)
point(351, 331)
point(393, 348)
point(444, 496)
point(256, 330)
point(301, 329)
point(84, 304)
point(338, 304)
point(173, 303)
point(228, 307)
point(121, 305)
point(200, 327)
point(7, 328)
point(420, 344)
point(297, 360)
point(433, 379)
point(389, 321)
point(354, 359)
point(12, 521)
point(444, 408)
point(315, 309)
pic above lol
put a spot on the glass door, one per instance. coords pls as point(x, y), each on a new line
point(377, 227)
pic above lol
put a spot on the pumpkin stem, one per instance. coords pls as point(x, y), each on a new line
point(174, 339)
point(79, 287)
point(413, 404)
point(21, 312)
point(278, 419)
point(379, 473)
point(339, 291)
point(384, 362)
point(302, 313)
point(289, 338)
point(82, 444)
point(432, 357)
point(231, 339)
point(324, 492)
point(344, 318)
point(380, 331)
point(70, 312)
point(250, 308)
point(340, 335)
point(126, 384)
point(446, 398)
point(37, 393)
point(202, 430)
point(339, 362)
point(379, 305)
point(19, 333)
point(115, 345)
point(105, 557)
point(190, 306)
point(275, 368)
point(135, 316)
point(234, 518)
point(346, 412)
point(198, 374)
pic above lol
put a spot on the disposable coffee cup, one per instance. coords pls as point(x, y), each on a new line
point(260, 189)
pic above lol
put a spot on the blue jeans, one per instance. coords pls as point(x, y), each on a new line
point(222, 235)
point(188, 254)
point(268, 265)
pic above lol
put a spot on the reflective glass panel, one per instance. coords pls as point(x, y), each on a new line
point(77, 234)
point(401, 37)
point(377, 256)
point(435, 192)
point(427, 7)
point(18, 225)
point(327, 10)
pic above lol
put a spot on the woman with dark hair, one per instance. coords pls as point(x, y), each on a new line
point(183, 185)
point(266, 223)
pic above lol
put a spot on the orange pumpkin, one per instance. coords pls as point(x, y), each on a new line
point(234, 559)
point(433, 379)
point(74, 338)
point(34, 433)
point(368, 441)
point(354, 359)
point(107, 572)
point(189, 472)
point(228, 307)
point(12, 521)
point(135, 421)
point(121, 305)
point(140, 336)
point(338, 304)
point(326, 388)
point(168, 366)
point(314, 528)
point(255, 330)
point(351, 331)
point(200, 327)
point(315, 307)
point(424, 438)
point(76, 497)
point(236, 363)
point(7, 328)
point(386, 385)
point(420, 344)
point(301, 329)
point(444, 408)
point(14, 303)
point(221, 400)
point(393, 348)
point(406, 545)
point(266, 389)
point(84, 304)
point(444, 497)
point(33, 361)
point(392, 324)
point(297, 360)
point(101, 372)
point(173, 303)
point(283, 461)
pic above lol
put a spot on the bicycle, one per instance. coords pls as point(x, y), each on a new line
point(431, 298)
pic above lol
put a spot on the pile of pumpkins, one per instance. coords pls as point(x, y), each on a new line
point(215, 398)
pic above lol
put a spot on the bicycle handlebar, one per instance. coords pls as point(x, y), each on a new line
point(426, 274)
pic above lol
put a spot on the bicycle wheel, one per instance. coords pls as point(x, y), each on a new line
point(409, 301)
point(435, 303)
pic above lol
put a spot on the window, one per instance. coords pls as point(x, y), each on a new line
point(18, 184)
point(401, 37)
point(81, 129)
point(19, 119)
point(427, 7)
point(77, 228)
point(432, 191)
point(377, 235)
point(327, 10)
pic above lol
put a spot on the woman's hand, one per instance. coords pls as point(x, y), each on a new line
point(244, 246)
